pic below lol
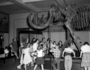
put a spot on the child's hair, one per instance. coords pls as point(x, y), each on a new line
point(54, 42)
point(60, 42)
point(36, 40)
point(48, 39)
point(33, 40)
point(68, 45)
point(25, 45)
point(40, 47)
point(43, 38)
point(40, 42)
point(86, 43)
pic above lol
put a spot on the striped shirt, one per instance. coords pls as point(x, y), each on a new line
point(56, 52)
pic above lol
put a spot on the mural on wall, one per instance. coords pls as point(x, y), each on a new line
point(4, 23)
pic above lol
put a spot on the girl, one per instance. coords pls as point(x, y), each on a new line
point(27, 57)
point(85, 55)
point(21, 55)
point(67, 53)
point(34, 49)
point(39, 59)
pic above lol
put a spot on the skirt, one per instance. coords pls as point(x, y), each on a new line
point(27, 59)
point(68, 62)
point(39, 60)
point(85, 60)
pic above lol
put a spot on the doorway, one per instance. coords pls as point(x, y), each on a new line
point(1, 41)
point(24, 33)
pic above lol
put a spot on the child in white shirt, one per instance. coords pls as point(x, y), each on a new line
point(39, 59)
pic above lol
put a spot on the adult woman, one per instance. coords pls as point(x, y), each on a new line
point(85, 54)
point(67, 53)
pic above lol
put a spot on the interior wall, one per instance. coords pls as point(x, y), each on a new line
point(84, 36)
point(39, 36)
point(89, 37)
point(55, 36)
point(6, 39)
point(17, 21)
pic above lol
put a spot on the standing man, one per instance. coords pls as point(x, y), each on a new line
point(56, 53)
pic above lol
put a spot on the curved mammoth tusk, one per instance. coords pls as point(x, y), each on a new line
point(45, 24)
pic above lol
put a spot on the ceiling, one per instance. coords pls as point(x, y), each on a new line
point(25, 6)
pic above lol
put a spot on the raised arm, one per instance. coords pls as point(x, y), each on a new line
point(63, 53)
point(80, 54)
point(73, 53)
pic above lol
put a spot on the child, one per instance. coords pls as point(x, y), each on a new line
point(21, 55)
point(27, 57)
point(39, 59)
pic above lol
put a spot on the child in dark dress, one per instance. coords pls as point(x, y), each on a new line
point(40, 59)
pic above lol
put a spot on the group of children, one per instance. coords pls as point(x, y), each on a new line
point(33, 52)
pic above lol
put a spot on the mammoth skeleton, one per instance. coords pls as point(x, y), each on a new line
point(79, 22)
point(55, 13)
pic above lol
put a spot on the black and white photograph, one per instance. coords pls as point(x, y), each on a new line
point(44, 34)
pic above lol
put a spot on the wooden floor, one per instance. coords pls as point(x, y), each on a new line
point(11, 64)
